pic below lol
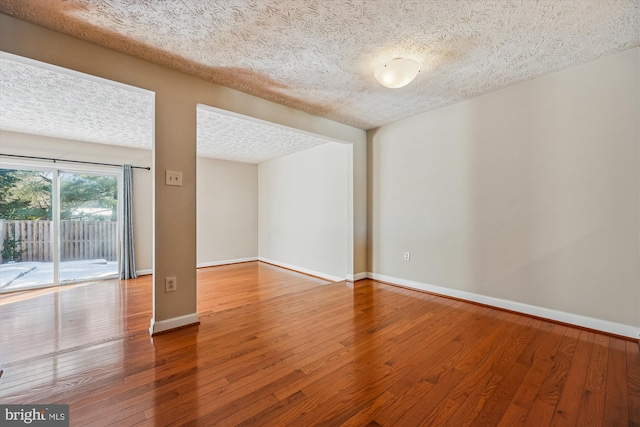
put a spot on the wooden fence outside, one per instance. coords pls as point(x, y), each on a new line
point(78, 239)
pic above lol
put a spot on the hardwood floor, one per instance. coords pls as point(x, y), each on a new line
point(276, 347)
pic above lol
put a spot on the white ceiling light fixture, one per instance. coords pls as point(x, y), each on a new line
point(397, 73)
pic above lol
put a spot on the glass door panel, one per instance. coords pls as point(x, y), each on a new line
point(26, 229)
point(88, 226)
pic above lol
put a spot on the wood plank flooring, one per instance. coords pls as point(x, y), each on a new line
point(277, 348)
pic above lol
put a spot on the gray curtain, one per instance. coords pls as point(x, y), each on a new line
point(127, 246)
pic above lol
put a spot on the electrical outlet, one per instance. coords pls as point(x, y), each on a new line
point(170, 284)
point(173, 178)
point(407, 256)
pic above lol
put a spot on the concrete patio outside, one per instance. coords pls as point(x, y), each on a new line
point(22, 275)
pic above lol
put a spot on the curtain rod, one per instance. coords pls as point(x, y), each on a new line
point(71, 161)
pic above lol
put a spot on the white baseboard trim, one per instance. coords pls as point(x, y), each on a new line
point(547, 313)
point(356, 277)
point(225, 262)
point(302, 270)
point(176, 322)
point(207, 264)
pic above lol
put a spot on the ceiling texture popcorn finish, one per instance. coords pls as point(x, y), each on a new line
point(319, 55)
point(224, 136)
point(49, 102)
point(39, 99)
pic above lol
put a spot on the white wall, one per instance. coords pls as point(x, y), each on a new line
point(303, 210)
point(227, 214)
point(529, 194)
point(227, 193)
point(304, 202)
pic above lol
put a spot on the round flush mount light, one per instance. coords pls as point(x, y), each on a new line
point(397, 73)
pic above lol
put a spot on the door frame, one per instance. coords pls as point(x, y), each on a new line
point(43, 166)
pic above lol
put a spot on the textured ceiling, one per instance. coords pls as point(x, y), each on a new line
point(227, 136)
point(319, 55)
point(51, 102)
point(41, 99)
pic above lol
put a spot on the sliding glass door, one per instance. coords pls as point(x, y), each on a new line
point(26, 229)
point(57, 227)
point(88, 226)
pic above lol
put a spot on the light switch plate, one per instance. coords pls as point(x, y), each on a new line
point(173, 178)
